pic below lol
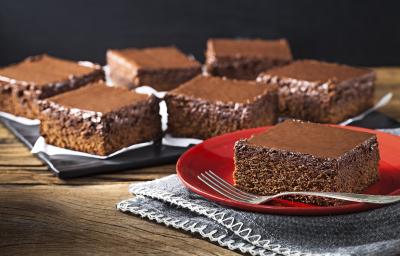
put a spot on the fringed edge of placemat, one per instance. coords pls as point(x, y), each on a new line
point(230, 223)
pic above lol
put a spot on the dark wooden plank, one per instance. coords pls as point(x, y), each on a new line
point(26, 175)
point(70, 220)
point(389, 81)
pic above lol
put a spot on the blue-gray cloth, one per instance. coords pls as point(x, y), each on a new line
point(167, 201)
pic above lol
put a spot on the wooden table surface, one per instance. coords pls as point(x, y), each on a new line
point(41, 214)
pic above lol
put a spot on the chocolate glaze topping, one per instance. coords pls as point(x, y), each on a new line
point(318, 71)
point(43, 70)
point(310, 138)
point(278, 49)
point(99, 98)
point(221, 89)
point(155, 58)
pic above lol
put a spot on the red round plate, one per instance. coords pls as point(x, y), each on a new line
point(216, 154)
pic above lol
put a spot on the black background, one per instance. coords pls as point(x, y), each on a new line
point(358, 32)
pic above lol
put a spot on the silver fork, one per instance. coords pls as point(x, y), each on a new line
point(226, 189)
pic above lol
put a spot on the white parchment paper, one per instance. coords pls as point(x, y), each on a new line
point(19, 119)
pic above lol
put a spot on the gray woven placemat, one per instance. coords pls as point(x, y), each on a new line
point(167, 201)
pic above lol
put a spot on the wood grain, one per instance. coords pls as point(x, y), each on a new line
point(40, 175)
point(41, 214)
point(388, 80)
point(82, 220)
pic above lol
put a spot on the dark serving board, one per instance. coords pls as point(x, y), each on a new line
point(67, 166)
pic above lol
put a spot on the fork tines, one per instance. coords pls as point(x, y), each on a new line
point(224, 188)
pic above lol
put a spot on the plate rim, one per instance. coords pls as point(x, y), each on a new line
point(273, 209)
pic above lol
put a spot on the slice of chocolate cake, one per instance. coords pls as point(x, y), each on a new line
point(162, 68)
point(245, 58)
point(297, 156)
point(40, 77)
point(321, 92)
point(98, 119)
point(208, 106)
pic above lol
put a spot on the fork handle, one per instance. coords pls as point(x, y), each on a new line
point(362, 198)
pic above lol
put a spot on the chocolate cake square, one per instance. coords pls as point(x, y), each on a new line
point(299, 156)
point(162, 68)
point(208, 106)
point(40, 77)
point(245, 58)
point(321, 92)
point(100, 120)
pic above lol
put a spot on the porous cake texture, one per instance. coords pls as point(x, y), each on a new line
point(40, 77)
point(245, 59)
point(162, 68)
point(321, 92)
point(100, 120)
point(208, 106)
point(301, 156)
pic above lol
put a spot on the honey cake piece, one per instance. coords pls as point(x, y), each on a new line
point(303, 156)
point(162, 68)
point(322, 92)
point(40, 77)
point(245, 58)
point(100, 120)
point(208, 106)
